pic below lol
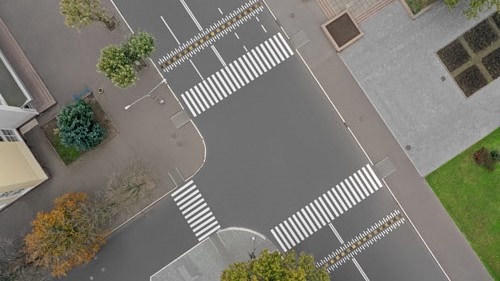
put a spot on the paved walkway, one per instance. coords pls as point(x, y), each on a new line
point(207, 260)
point(66, 61)
point(415, 196)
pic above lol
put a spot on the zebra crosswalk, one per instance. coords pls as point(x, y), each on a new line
point(237, 74)
point(326, 208)
point(195, 210)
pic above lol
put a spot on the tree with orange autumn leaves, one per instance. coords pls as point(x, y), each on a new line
point(65, 237)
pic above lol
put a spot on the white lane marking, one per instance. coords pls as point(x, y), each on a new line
point(361, 184)
point(206, 94)
point(258, 65)
point(217, 54)
point(188, 105)
point(186, 185)
point(204, 211)
point(280, 45)
point(360, 269)
point(336, 233)
point(329, 192)
point(368, 176)
point(245, 48)
point(231, 75)
point(306, 234)
point(320, 208)
point(192, 210)
point(221, 88)
point(266, 52)
point(263, 28)
point(204, 223)
point(360, 173)
point(195, 68)
point(198, 102)
point(237, 37)
point(348, 184)
point(282, 237)
point(236, 74)
point(250, 66)
point(211, 229)
point(310, 223)
point(201, 219)
point(188, 94)
point(190, 195)
point(268, 66)
point(292, 242)
point(277, 239)
point(346, 191)
point(257, 18)
point(334, 191)
point(285, 43)
point(214, 88)
point(330, 215)
point(276, 50)
point(325, 196)
point(374, 175)
point(313, 217)
point(228, 80)
point(223, 81)
point(322, 221)
point(243, 74)
point(343, 196)
point(304, 223)
point(188, 10)
point(209, 90)
point(290, 230)
point(201, 96)
point(272, 52)
point(245, 68)
point(220, 11)
point(169, 29)
point(357, 187)
point(296, 229)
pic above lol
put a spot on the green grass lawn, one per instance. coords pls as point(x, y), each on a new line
point(471, 195)
point(67, 154)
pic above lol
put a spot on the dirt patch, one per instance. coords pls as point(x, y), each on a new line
point(480, 37)
point(343, 30)
point(453, 55)
point(471, 80)
point(492, 63)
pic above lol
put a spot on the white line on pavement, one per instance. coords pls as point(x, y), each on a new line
point(169, 29)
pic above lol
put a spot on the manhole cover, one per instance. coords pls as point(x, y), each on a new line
point(342, 30)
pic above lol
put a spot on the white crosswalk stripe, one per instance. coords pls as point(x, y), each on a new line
point(195, 210)
point(237, 74)
point(324, 209)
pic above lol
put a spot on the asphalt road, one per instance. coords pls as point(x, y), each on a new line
point(273, 146)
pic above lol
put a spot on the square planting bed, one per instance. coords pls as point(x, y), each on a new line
point(473, 59)
point(492, 63)
point(480, 37)
point(454, 55)
point(471, 80)
point(342, 31)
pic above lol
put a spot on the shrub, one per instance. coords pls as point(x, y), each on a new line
point(78, 127)
point(139, 46)
point(482, 157)
point(495, 155)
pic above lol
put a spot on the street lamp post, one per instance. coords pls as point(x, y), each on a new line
point(146, 95)
point(252, 253)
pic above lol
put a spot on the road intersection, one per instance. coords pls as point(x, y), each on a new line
point(279, 159)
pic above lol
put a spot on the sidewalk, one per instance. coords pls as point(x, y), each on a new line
point(207, 260)
point(427, 214)
point(66, 61)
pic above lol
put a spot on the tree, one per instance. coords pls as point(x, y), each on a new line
point(80, 13)
point(274, 266)
point(65, 237)
point(139, 46)
point(117, 62)
point(475, 6)
point(78, 127)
